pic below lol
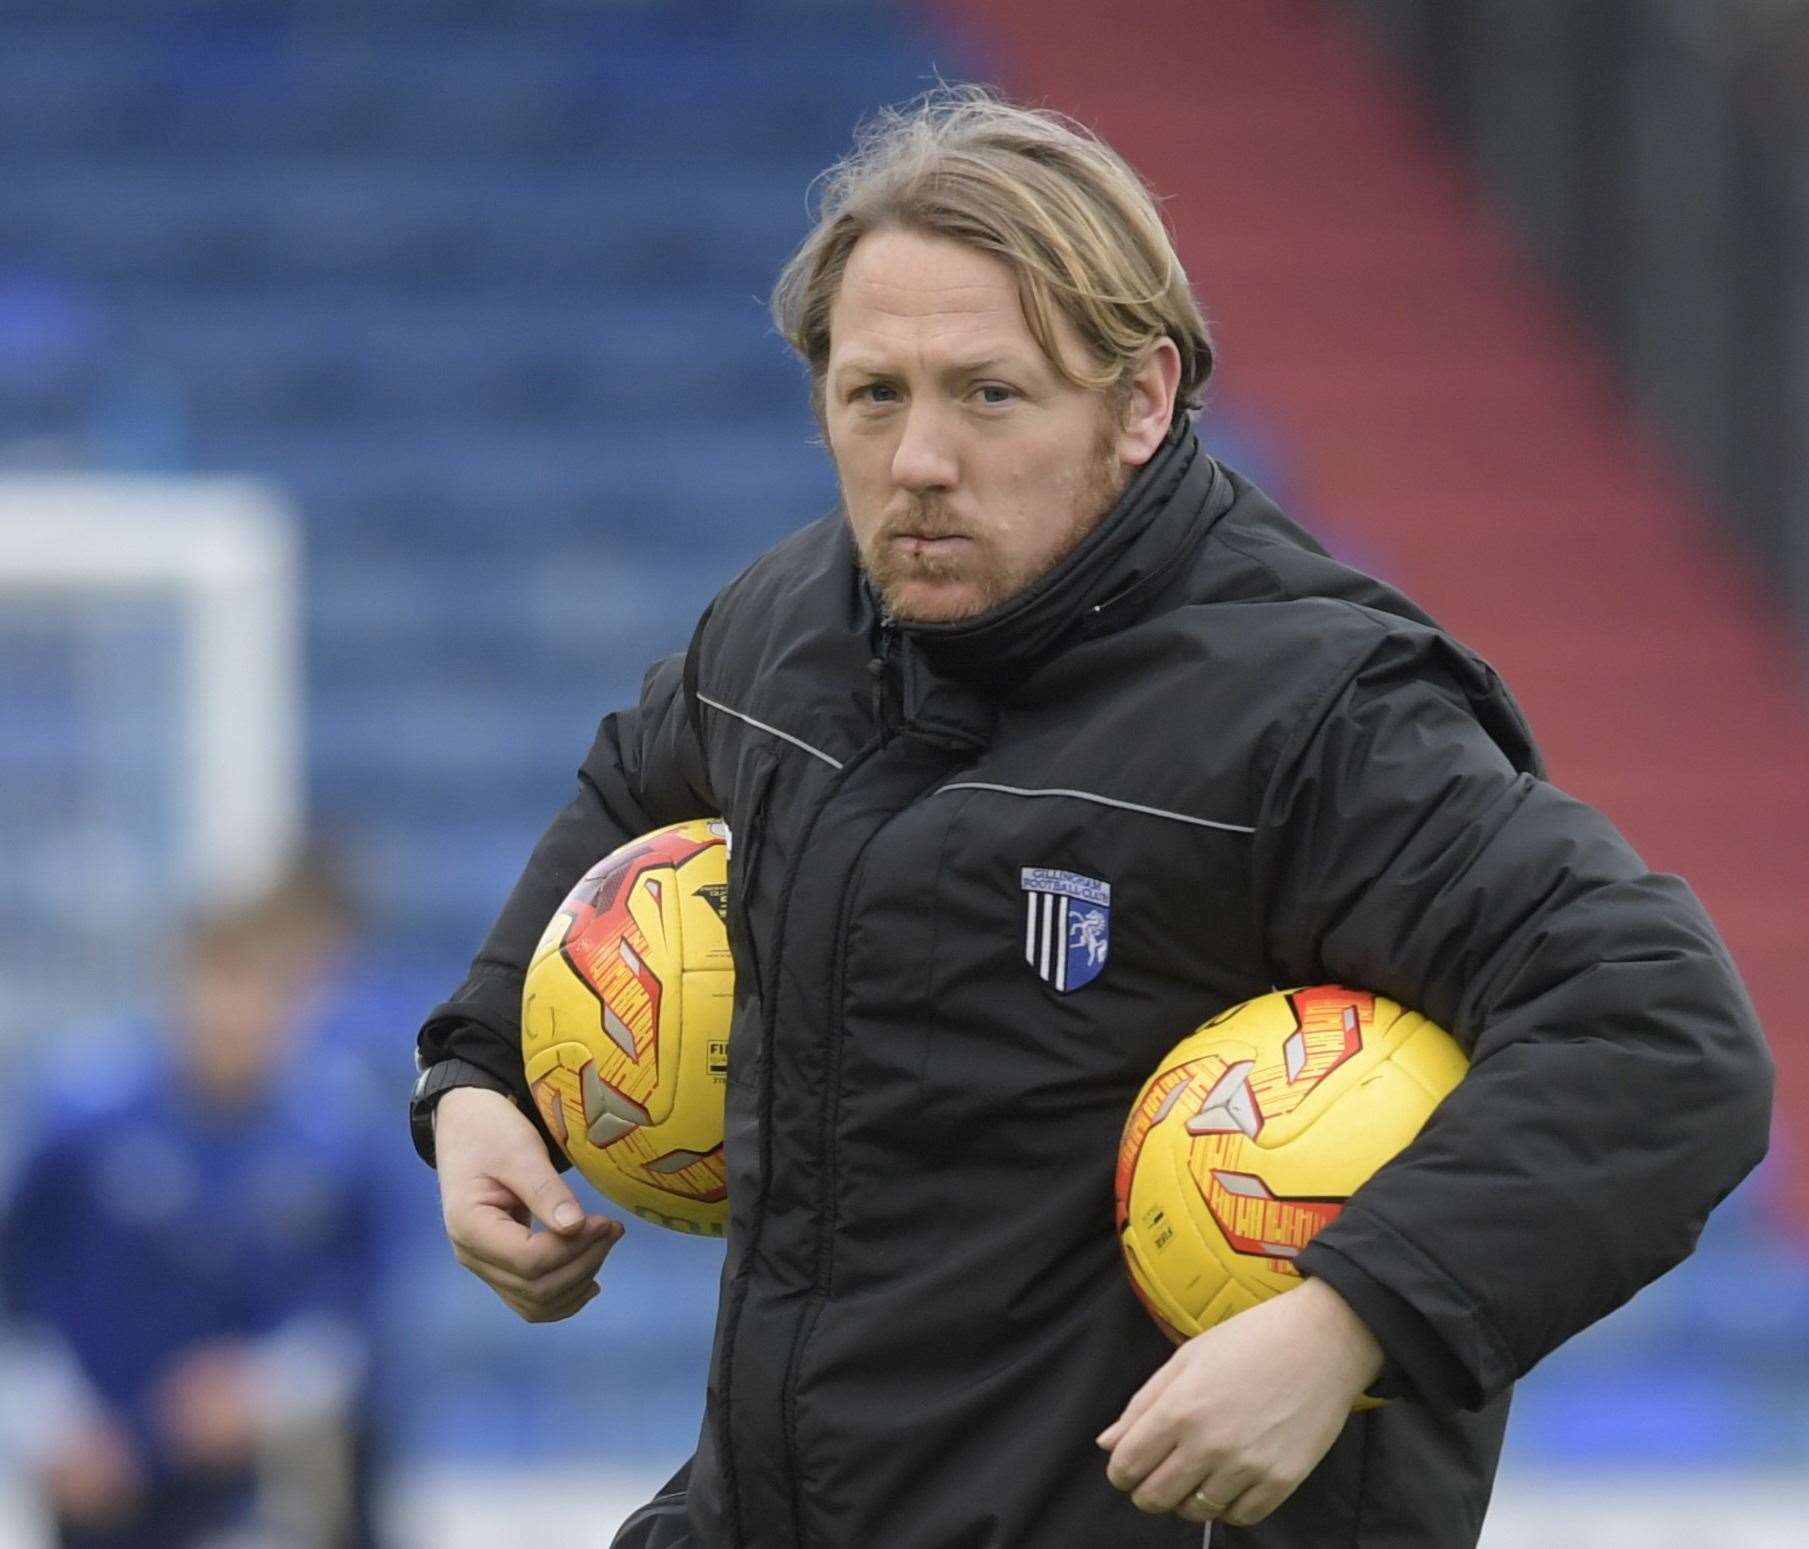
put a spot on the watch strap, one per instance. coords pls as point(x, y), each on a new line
point(433, 1083)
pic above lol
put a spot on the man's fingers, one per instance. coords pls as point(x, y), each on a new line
point(1140, 1449)
point(573, 1302)
point(1135, 1459)
point(1170, 1486)
point(578, 1272)
point(494, 1226)
point(1139, 1402)
point(544, 1192)
point(513, 1258)
point(521, 1171)
point(1171, 1481)
point(1256, 1503)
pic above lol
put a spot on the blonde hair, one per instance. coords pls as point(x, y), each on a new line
point(1045, 195)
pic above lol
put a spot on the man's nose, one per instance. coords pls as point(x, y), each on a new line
point(924, 458)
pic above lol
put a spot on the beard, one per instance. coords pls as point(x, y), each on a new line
point(977, 576)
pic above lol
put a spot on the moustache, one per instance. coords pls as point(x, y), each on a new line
point(922, 523)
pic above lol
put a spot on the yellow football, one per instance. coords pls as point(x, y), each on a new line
point(1253, 1133)
point(625, 1025)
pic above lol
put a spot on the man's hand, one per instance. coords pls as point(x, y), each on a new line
point(494, 1180)
point(1245, 1411)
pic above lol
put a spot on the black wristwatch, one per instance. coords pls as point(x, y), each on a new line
point(434, 1082)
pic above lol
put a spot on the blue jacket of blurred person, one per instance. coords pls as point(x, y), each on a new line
point(189, 1255)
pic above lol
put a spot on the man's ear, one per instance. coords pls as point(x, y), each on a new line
point(1149, 403)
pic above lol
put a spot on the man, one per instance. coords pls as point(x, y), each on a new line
point(1047, 634)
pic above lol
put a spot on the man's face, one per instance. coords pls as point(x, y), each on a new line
point(968, 464)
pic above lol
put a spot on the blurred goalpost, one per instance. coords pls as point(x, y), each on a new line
point(150, 704)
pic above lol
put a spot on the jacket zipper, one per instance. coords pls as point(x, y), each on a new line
point(825, 1254)
point(741, 875)
point(880, 667)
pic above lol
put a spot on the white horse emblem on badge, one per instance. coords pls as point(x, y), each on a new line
point(1067, 920)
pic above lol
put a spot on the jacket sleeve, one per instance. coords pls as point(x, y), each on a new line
point(644, 770)
point(1619, 1085)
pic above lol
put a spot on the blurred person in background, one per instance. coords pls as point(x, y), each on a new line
point(188, 1259)
point(1048, 630)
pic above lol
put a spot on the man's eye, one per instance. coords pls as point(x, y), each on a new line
point(875, 392)
point(993, 394)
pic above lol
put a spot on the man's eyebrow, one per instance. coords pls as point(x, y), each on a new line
point(984, 363)
point(866, 366)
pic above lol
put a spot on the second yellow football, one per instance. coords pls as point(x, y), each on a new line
point(1253, 1133)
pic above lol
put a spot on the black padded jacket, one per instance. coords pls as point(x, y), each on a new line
point(1284, 773)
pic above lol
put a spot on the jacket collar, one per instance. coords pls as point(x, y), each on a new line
point(1107, 582)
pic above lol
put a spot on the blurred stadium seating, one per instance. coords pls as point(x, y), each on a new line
point(481, 287)
point(479, 284)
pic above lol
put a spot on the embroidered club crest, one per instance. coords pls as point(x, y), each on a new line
point(1067, 919)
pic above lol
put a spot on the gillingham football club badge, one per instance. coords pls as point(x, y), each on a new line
point(1067, 920)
